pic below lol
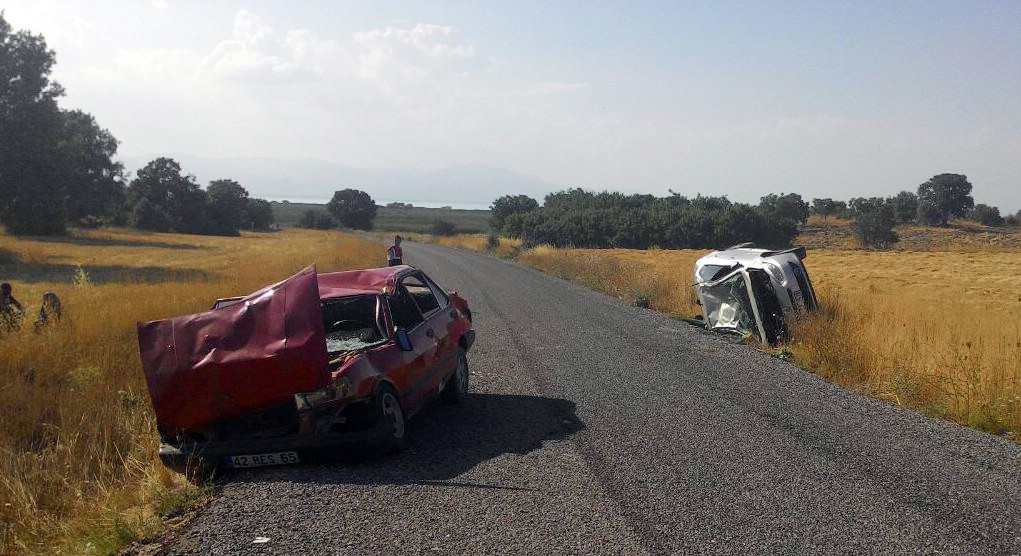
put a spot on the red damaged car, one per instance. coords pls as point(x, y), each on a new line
point(316, 361)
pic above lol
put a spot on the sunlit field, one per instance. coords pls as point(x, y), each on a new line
point(78, 469)
point(935, 331)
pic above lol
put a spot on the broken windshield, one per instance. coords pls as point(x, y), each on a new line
point(727, 306)
point(351, 323)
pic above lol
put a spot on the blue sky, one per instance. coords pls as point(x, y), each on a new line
point(826, 99)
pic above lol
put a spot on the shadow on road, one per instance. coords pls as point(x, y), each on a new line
point(446, 442)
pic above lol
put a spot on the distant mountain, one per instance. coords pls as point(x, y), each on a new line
point(317, 180)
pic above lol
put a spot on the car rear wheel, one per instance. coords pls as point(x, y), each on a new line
point(393, 427)
point(457, 385)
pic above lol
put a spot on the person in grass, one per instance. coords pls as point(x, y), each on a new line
point(49, 313)
point(394, 255)
point(11, 310)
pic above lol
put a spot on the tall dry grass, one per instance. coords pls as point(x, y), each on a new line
point(939, 332)
point(78, 470)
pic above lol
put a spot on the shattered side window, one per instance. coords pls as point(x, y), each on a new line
point(727, 307)
point(710, 272)
point(351, 323)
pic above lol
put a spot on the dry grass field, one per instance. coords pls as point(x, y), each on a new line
point(937, 330)
point(78, 471)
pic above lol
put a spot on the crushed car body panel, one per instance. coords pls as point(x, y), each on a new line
point(745, 290)
point(254, 353)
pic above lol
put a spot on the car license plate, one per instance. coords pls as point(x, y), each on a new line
point(259, 460)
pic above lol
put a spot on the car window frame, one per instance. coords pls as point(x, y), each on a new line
point(425, 282)
point(438, 292)
point(414, 303)
point(378, 318)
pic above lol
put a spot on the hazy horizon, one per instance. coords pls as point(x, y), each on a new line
point(820, 99)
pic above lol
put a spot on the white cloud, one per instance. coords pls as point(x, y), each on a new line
point(554, 88)
point(159, 4)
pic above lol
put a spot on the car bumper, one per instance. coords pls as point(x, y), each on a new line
point(185, 457)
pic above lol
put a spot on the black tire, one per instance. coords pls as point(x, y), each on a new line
point(393, 426)
point(457, 385)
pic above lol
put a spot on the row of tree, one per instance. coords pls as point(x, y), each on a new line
point(163, 199)
point(587, 219)
point(580, 218)
point(938, 201)
point(57, 166)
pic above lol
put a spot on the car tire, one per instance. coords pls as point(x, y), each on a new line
point(393, 425)
point(457, 385)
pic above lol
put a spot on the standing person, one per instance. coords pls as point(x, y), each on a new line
point(50, 311)
point(394, 255)
point(11, 310)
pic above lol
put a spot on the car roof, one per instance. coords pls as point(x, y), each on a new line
point(360, 282)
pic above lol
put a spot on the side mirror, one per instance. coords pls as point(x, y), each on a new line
point(403, 340)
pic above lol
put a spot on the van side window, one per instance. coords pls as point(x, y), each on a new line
point(421, 293)
point(403, 310)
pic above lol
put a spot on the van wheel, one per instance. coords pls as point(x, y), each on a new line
point(393, 426)
point(457, 385)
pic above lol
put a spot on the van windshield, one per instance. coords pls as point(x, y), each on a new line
point(727, 307)
point(351, 323)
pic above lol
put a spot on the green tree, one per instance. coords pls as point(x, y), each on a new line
point(95, 186)
point(508, 205)
point(164, 200)
point(824, 207)
point(259, 215)
point(790, 206)
point(32, 166)
point(228, 202)
point(987, 215)
point(945, 196)
point(353, 209)
point(905, 205)
point(875, 219)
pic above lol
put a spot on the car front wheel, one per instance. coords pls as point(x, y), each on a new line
point(457, 385)
point(393, 427)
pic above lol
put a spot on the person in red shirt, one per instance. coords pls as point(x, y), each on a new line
point(394, 255)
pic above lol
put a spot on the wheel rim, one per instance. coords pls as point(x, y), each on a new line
point(462, 374)
point(392, 411)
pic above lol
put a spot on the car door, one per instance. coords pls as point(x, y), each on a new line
point(413, 376)
point(435, 310)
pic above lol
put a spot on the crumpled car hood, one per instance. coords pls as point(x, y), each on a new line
point(226, 362)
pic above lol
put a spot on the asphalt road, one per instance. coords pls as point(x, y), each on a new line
point(598, 427)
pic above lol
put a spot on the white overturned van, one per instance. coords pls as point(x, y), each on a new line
point(747, 290)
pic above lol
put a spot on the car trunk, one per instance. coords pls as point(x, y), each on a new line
point(247, 358)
